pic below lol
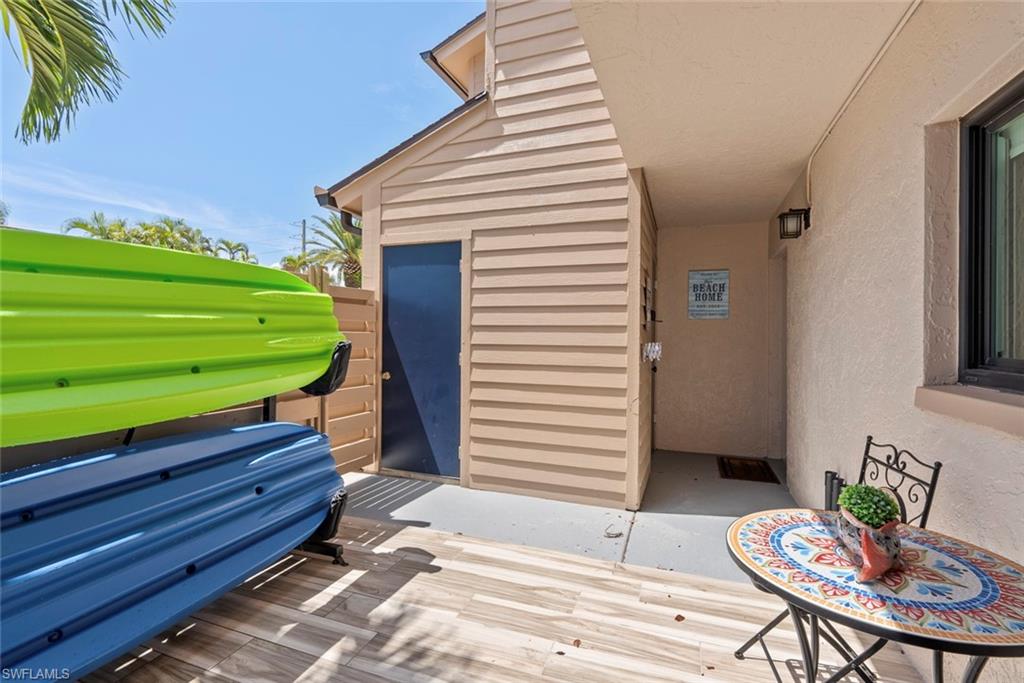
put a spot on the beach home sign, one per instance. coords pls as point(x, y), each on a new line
point(709, 295)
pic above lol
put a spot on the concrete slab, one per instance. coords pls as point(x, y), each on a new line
point(506, 517)
point(688, 508)
point(681, 526)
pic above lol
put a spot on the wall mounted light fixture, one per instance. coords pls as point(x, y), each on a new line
point(793, 222)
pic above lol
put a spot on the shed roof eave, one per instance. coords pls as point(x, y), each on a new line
point(459, 32)
point(436, 56)
point(430, 59)
point(326, 198)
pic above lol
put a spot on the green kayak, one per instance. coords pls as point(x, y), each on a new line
point(98, 336)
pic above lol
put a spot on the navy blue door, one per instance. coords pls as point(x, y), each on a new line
point(420, 394)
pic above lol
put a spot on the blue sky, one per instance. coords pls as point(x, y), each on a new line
point(230, 119)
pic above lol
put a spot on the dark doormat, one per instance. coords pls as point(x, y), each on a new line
point(747, 469)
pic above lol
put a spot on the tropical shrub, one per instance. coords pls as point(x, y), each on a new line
point(168, 233)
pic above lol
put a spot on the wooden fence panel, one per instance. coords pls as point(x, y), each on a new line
point(349, 415)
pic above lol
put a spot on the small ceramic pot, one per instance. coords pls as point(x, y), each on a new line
point(873, 551)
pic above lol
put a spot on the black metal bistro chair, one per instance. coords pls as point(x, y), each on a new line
point(912, 483)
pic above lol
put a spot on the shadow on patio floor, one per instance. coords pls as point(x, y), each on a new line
point(680, 527)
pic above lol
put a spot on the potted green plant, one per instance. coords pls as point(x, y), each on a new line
point(867, 530)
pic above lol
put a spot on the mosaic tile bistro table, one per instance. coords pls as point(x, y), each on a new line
point(950, 596)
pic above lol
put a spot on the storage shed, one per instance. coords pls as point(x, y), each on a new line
point(511, 253)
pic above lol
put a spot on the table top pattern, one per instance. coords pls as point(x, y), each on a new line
point(946, 590)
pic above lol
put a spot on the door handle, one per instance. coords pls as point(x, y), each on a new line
point(385, 375)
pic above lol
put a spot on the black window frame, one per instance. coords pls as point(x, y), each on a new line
point(976, 272)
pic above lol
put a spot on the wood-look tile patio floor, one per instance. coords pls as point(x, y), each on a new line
point(416, 604)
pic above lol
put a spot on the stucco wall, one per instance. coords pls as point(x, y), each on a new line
point(857, 297)
point(711, 393)
point(776, 354)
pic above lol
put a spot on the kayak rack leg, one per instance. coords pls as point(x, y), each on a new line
point(319, 541)
point(270, 409)
point(331, 550)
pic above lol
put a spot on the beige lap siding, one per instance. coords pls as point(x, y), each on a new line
point(541, 186)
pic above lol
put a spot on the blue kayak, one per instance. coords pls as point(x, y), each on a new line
point(104, 550)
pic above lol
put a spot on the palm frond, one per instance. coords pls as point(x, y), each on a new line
point(149, 16)
point(337, 249)
point(65, 47)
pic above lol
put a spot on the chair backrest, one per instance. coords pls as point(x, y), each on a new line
point(911, 480)
point(833, 485)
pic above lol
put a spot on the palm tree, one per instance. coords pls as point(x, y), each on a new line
point(151, 234)
point(295, 263)
point(166, 232)
point(235, 251)
point(245, 255)
point(338, 249)
point(174, 233)
point(99, 227)
point(65, 47)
